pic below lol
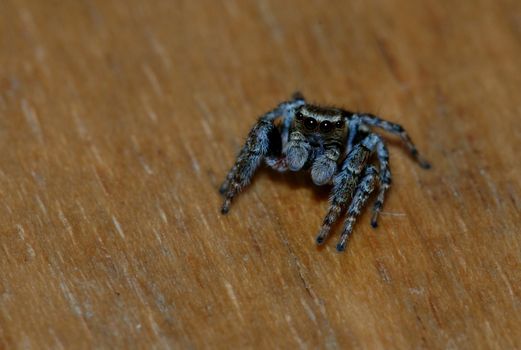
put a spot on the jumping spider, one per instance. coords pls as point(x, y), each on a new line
point(335, 144)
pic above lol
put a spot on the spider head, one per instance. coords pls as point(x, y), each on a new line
point(310, 119)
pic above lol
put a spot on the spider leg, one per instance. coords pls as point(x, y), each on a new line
point(256, 146)
point(299, 99)
point(345, 182)
point(363, 191)
point(276, 159)
point(373, 120)
point(354, 125)
point(384, 180)
point(263, 140)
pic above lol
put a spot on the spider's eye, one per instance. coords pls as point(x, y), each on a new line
point(299, 116)
point(326, 126)
point(310, 123)
point(339, 124)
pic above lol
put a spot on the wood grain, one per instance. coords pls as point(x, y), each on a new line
point(119, 119)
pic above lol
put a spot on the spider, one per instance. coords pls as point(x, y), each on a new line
point(336, 145)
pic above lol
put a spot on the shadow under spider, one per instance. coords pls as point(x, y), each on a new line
point(297, 180)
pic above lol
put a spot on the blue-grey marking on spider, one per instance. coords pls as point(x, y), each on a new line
point(335, 144)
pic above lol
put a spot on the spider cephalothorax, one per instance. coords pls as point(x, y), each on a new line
point(335, 144)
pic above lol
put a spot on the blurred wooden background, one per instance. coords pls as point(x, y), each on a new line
point(119, 119)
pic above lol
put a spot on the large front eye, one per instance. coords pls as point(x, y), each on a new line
point(326, 126)
point(310, 124)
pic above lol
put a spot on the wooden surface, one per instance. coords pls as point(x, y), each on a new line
point(119, 119)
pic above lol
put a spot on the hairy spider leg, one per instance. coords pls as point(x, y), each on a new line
point(256, 143)
point(256, 146)
point(346, 181)
point(299, 99)
point(385, 180)
point(363, 191)
point(262, 140)
point(397, 129)
point(353, 126)
point(276, 159)
point(282, 109)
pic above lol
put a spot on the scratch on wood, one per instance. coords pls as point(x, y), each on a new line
point(98, 158)
point(57, 342)
point(193, 160)
point(82, 210)
point(73, 303)
point(506, 281)
point(416, 291)
point(271, 21)
point(39, 51)
point(300, 342)
point(382, 271)
point(233, 298)
point(390, 213)
point(207, 115)
point(32, 119)
point(80, 126)
point(153, 80)
point(492, 186)
point(434, 312)
point(29, 247)
point(310, 313)
point(162, 214)
point(140, 157)
point(153, 324)
point(41, 205)
point(66, 224)
point(202, 217)
point(160, 51)
point(158, 236)
point(148, 109)
point(100, 181)
point(118, 227)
